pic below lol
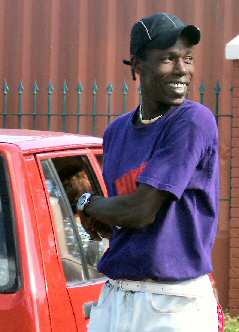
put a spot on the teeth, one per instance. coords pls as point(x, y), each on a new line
point(177, 85)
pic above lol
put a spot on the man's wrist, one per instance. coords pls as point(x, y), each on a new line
point(93, 199)
point(83, 202)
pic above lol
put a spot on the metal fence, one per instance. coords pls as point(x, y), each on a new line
point(65, 115)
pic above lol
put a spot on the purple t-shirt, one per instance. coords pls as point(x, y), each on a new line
point(179, 154)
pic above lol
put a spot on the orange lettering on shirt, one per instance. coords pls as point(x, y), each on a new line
point(127, 183)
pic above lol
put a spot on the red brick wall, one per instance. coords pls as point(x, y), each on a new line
point(234, 208)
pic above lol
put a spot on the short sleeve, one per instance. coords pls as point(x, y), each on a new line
point(106, 138)
point(175, 158)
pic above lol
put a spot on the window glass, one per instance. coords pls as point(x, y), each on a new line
point(8, 270)
point(67, 178)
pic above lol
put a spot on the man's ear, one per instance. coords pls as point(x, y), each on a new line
point(137, 65)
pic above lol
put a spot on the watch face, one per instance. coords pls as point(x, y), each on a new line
point(83, 201)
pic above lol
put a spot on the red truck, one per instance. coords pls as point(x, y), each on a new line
point(48, 275)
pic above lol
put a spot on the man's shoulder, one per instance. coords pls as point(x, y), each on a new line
point(117, 128)
point(119, 122)
point(121, 119)
point(197, 112)
point(200, 117)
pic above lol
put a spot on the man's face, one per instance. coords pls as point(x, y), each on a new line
point(165, 75)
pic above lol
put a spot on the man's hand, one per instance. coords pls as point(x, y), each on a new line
point(94, 228)
point(105, 231)
point(90, 228)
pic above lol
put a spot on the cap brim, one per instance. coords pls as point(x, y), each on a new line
point(191, 33)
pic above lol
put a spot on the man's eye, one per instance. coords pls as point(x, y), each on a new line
point(167, 59)
point(188, 59)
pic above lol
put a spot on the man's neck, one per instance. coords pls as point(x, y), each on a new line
point(152, 109)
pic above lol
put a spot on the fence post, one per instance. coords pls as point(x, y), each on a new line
point(140, 94)
point(217, 94)
point(35, 95)
point(109, 90)
point(20, 113)
point(125, 95)
point(202, 90)
point(5, 104)
point(49, 105)
point(64, 113)
point(79, 90)
point(94, 113)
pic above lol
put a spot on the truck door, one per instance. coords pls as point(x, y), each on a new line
point(66, 175)
point(23, 297)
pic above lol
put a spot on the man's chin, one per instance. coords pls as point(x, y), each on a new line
point(179, 101)
point(175, 101)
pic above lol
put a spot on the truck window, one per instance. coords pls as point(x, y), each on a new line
point(66, 179)
point(8, 264)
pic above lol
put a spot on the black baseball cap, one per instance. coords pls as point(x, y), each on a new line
point(161, 31)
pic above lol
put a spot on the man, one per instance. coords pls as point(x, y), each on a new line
point(161, 170)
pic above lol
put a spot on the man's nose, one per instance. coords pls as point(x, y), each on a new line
point(180, 67)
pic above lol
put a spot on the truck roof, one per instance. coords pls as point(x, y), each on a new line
point(30, 141)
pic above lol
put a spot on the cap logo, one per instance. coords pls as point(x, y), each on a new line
point(147, 31)
point(170, 19)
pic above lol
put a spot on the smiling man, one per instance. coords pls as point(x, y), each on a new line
point(161, 170)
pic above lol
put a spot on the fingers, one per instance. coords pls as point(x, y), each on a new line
point(97, 230)
point(105, 231)
point(93, 233)
point(95, 236)
point(89, 227)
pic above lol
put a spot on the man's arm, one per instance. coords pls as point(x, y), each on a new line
point(134, 211)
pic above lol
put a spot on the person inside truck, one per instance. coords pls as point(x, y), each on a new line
point(161, 170)
point(75, 182)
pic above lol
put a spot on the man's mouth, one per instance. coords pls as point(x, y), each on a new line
point(178, 87)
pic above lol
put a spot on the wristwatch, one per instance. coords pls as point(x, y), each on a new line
point(83, 201)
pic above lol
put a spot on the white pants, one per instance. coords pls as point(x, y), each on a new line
point(192, 309)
